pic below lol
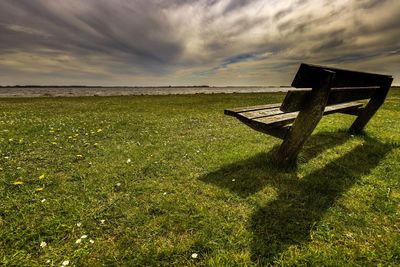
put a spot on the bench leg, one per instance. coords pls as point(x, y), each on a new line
point(305, 123)
point(369, 111)
point(302, 129)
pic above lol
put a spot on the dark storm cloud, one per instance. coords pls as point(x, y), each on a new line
point(173, 41)
point(136, 33)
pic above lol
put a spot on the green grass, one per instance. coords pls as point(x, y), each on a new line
point(153, 179)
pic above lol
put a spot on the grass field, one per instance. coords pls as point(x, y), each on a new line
point(159, 180)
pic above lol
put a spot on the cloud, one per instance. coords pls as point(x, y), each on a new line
point(24, 29)
point(180, 42)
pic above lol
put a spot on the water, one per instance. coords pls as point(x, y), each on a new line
point(124, 91)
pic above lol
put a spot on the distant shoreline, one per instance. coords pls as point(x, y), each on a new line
point(75, 91)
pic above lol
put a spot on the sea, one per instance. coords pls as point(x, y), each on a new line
point(73, 91)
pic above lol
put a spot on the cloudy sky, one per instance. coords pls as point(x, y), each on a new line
point(178, 42)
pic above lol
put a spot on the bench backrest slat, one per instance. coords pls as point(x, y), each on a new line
point(308, 75)
point(346, 86)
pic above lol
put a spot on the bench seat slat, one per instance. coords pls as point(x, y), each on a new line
point(261, 113)
point(271, 118)
point(233, 111)
point(285, 118)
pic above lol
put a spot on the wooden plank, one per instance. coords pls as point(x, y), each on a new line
point(279, 132)
point(233, 111)
point(294, 100)
point(309, 76)
point(261, 113)
point(370, 109)
point(285, 118)
point(306, 121)
point(354, 112)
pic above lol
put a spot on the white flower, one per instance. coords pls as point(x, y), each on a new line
point(43, 200)
point(79, 224)
point(65, 263)
point(118, 184)
point(78, 241)
point(48, 261)
point(164, 193)
point(91, 241)
point(102, 221)
point(128, 161)
point(194, 255)
point(233, 180)
point(84, 236)
point(43, 244)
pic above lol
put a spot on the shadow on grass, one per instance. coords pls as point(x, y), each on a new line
point(253, 174)
point(300, 203)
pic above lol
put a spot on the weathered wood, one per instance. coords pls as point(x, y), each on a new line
point(333, 90)
point(233, 111)
point(279, 132)
point(306, 120)
point(278, 119)
point(309, 76)
point(261, 113)
point(294, 100)
point(354, 112)
point(370, 109)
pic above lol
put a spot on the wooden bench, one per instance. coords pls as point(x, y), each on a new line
point(327, 91)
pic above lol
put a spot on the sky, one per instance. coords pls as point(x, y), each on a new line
point(178, 42)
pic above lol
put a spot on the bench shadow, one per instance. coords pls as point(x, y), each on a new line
point(301, 202)
point(253, 174)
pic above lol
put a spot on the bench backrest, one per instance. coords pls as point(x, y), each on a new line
point(346, 86)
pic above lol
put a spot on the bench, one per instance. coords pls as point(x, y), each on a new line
point(324, 91)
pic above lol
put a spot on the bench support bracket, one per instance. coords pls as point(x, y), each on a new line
point(306, 121)
point(370, 109)
point(279, 132)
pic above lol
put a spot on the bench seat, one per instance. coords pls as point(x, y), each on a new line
point(270, 116)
